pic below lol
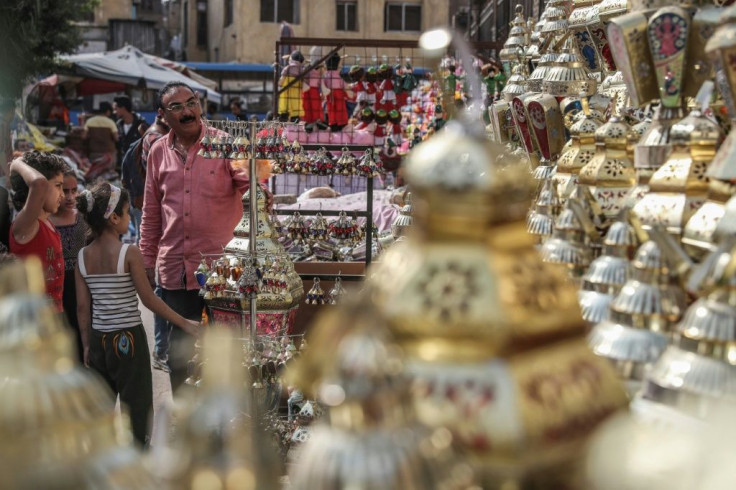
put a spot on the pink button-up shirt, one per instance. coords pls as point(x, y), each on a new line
point(191, 206)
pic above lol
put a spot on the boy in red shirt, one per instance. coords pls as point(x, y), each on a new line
point(37, 181)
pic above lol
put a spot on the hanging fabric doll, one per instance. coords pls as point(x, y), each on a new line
point(451, 85)
point(488, 74)
point(387, 101)
point(401, 95)
point(438, 121)
point(404, 84)
point(366, 119)
point(394, 118)
point(290, 100)
point(371, 86)
point(337, 111)
point(379, 135)
point(409, 81)
point(312, 99)
point(357, 77)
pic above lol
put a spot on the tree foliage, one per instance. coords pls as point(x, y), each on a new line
point(32, 34)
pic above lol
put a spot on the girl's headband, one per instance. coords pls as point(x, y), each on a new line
point(113, 202)
point(90, 199)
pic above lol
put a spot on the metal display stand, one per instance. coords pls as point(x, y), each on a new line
point(367, 214)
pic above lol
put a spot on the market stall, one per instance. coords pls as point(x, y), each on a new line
point(554, 308)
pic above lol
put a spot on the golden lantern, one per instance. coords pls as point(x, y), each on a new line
point(370, 437)
point(481, 316)
point(571, 164)
point(610, 173)
point(237, 270)
point(679, 187)
point(568, 76)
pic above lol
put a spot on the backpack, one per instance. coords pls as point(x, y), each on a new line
point(133, 173)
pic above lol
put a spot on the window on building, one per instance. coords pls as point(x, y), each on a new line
point(150, 6)
point(201, 23)
point(228, 12)
point(278, 10)
point(402, 17)
point(347, 16)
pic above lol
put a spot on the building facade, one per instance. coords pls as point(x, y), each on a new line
point(489, 20)
point(116, 23)
point(246, 31)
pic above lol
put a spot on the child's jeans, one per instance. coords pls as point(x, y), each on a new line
point(162, 333)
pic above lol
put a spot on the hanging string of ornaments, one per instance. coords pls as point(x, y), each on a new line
point(229, 139)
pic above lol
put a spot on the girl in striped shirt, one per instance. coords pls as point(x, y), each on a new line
point(109, 277)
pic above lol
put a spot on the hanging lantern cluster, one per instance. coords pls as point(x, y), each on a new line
point(294, 159)
point(230, 139)
point(242, 274)
point(341, 239)
point(317, 296)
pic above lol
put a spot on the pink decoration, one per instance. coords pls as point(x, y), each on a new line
point(363, 138)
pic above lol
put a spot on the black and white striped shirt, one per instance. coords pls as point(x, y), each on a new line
point(114, 298)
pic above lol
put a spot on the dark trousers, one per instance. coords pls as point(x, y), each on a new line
point(69, 300)
point(123, 359)
point(189, 304)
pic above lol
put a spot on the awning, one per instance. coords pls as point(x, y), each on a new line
point(230, 67)
point(130, 66)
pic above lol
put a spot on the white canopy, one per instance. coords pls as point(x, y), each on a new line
point(131, 66)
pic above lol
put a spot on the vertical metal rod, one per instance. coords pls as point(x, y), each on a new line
point(369, 222)
point(252, 231)
point(253, 178)
point(276, 75)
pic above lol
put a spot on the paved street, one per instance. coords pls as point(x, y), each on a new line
point(161, 385)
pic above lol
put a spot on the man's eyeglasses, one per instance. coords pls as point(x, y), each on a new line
point(176, 108)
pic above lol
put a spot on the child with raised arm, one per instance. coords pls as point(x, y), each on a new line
point(37, 179)
point(108, 276)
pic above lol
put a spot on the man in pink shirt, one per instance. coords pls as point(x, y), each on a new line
point(191, 206)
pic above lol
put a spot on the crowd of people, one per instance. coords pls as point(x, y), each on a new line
point(94, 279)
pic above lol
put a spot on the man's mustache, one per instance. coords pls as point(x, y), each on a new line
point(186, 119)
